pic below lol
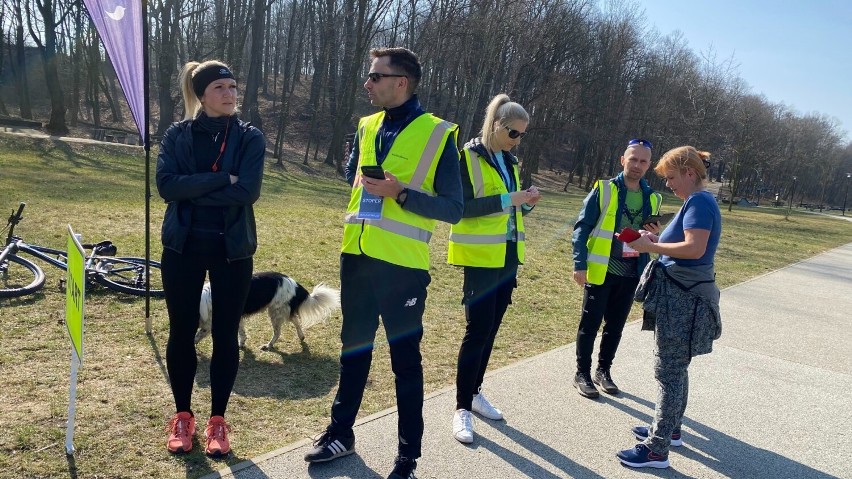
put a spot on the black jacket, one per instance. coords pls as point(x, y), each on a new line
point(181, 186)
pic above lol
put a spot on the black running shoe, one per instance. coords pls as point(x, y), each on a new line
point(583, 383)
point(604, 380)
point(403, 468)
point(329, 446)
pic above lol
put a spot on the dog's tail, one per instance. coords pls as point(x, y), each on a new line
point(319, 305)
point(205, 307)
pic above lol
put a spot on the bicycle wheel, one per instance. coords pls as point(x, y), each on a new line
point(19, 277)
point(127, 275)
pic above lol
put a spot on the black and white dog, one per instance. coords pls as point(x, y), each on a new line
point(283, 298)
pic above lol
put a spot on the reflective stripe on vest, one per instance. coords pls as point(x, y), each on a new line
point(481, 241)
point(599, 244)
point(432, 145)
point(400, 237)
point(401, 229)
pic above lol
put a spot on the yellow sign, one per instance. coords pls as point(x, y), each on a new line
point(75, 293)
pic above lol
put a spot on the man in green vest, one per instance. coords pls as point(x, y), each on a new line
point(607, 269)
point(404, 172)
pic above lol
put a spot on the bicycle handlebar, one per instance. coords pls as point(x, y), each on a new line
point(14, 219)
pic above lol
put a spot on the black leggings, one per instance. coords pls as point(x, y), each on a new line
point(487, 295)
point(183, 278)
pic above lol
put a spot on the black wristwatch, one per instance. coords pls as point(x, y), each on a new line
point(402, 196)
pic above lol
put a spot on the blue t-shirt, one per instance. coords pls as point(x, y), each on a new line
point(699, 211)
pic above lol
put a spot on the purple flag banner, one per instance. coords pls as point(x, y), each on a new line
point(119, 23)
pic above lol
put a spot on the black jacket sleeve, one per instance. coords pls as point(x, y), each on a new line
point(250, 172)
point(175, 180)
point(447, 206)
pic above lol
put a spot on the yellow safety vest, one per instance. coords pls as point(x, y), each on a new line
point(400, 237)
point(481, 241)
point(599, 244)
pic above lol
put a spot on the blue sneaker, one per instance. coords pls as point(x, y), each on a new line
point(641, 433)
point(641, 456)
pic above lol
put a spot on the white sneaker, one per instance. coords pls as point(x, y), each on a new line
point(463, 426)
point(484, 408)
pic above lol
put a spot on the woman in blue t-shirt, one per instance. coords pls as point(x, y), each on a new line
point(681, 300)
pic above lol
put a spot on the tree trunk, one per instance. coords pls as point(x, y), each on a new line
point(113, 96)
point(167, 64)
point(255, 69)
point(286, 81)
point(22, 84)
point(56, 124)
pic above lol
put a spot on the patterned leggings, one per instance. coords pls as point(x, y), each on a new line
point(671, 360)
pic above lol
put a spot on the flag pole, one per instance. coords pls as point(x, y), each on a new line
point(147, 145)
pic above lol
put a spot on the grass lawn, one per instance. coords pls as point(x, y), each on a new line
point(284, 395)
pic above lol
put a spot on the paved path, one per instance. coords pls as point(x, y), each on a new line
point(774, 400)
point(31, 133)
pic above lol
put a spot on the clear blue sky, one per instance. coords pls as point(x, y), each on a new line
point(795, 52)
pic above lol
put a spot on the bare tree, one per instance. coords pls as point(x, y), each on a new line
point(20, 64)
point(166, 12)
point(255, 70)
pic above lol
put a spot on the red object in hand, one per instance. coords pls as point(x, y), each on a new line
point(628, 235)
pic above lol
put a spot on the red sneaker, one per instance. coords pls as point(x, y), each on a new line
point(216, 432)
point(181, 428)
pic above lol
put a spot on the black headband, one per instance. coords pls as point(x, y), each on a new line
point(208, 75)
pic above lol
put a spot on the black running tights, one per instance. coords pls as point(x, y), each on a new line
point(183, 278)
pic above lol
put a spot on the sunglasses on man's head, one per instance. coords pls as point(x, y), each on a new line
point(377, 77)
point(514, 134)
point(640, 142)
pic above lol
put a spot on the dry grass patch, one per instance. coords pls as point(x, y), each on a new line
point(280, 396)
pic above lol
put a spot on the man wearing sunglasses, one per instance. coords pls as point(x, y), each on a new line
point(607, 269)
point(404, 172)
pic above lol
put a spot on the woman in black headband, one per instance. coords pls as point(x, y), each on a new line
point(209, 172)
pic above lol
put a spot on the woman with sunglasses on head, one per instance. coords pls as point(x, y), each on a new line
point(681, 300)
point(209, 172)
point(489, 243)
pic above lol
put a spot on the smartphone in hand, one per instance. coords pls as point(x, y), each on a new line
point(373, 171)
point(661, 219)
point(628, 235)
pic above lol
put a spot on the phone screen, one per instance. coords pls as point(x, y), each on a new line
point(373, 171)
point(662, 219)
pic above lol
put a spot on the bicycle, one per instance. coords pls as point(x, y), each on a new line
point(20, 277)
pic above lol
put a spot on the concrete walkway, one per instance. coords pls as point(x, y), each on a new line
point(774, 400)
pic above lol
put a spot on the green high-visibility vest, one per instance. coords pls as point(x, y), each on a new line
point(400, 237)
point(481, 241)
point(599, 244)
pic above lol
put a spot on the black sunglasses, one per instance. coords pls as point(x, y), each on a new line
point(377, 77)
point(513, 134)
point(639, 141)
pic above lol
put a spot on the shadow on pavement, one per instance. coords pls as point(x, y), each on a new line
point(538, 448)
point(353, 465)
point(719, 452)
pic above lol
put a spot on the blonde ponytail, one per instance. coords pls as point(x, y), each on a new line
point(191, 103)
point(501, 110)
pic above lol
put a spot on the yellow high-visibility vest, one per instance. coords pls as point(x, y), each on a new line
point(481, 241)
point(400, 237)
point(599, 244)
